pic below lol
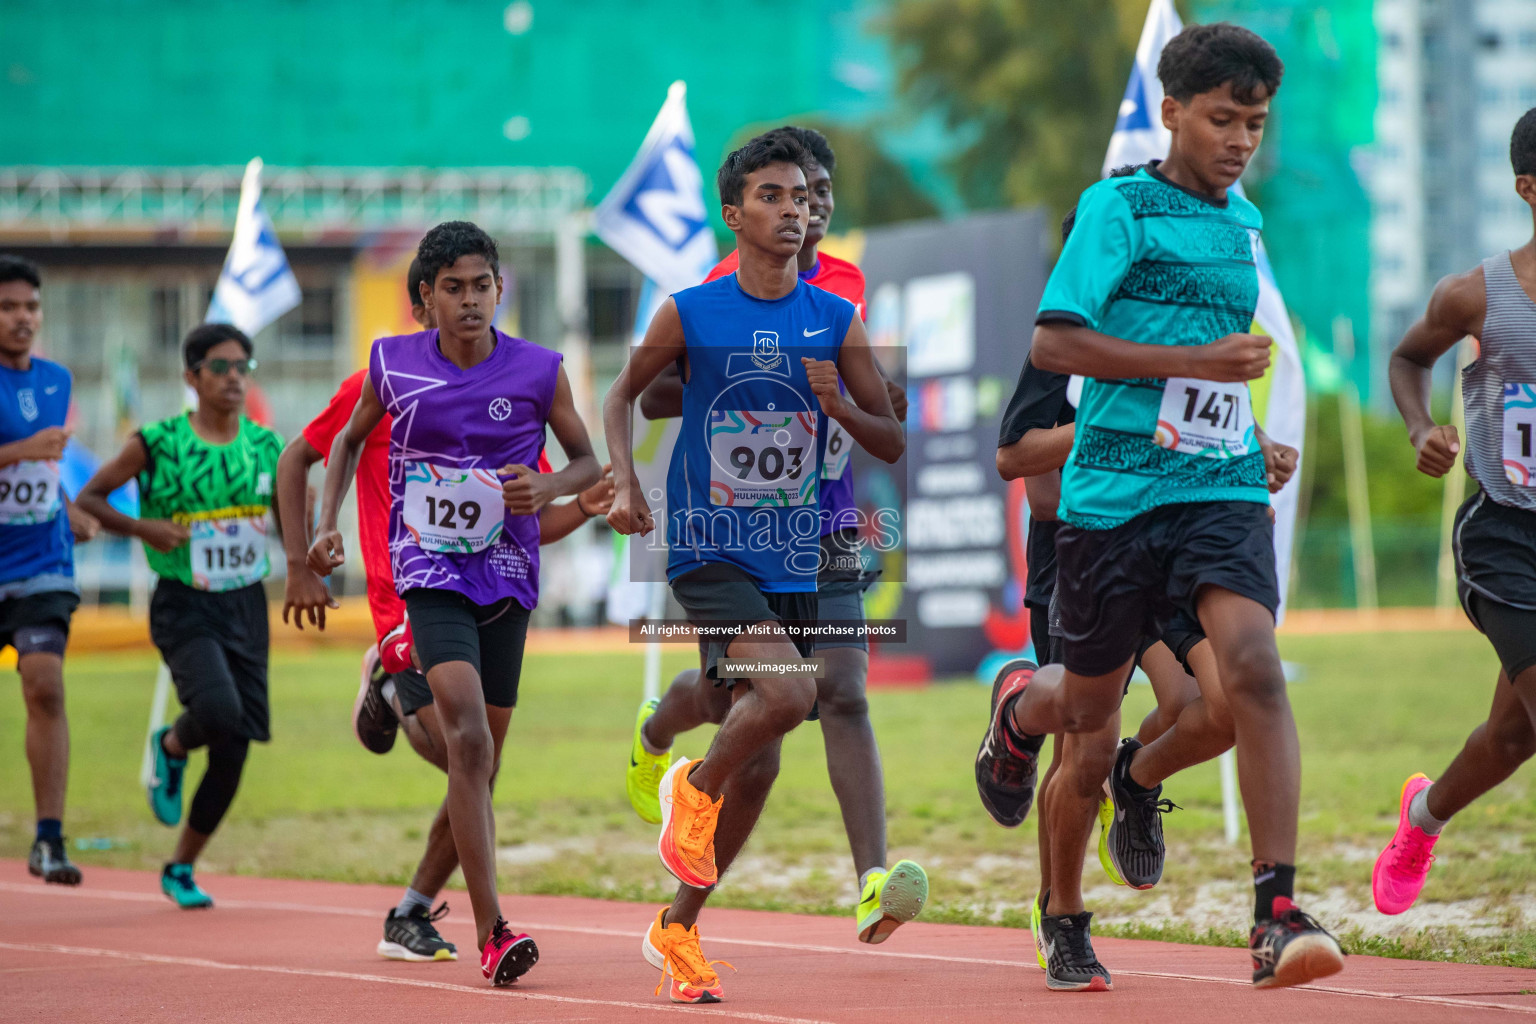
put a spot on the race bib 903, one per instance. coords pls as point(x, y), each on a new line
point(1202, 417)
point(762, 458)
point(452, 509)
point(29, 493)
point(1519, 424)
point(228, 554)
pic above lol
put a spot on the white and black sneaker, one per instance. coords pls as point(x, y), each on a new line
point(1070, 963)
point(413, 937)
point(1135, 838)
point(1292, 949)
point(51, 863)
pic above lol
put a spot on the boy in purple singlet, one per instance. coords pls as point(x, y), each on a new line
point(469, 406)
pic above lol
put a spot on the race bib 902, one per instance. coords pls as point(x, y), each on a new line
point(762, 458)
point(452, 509)
point(1202, 417)
point(29, 493)
point(1519, 424)
point(228, 554)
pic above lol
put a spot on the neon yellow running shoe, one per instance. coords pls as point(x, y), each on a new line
point(1106, 819)
point(1034, 931)
point(891, 899)
point(643, 778)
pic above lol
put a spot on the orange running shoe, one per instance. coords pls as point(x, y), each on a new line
point(687, 843)
point(674, 951)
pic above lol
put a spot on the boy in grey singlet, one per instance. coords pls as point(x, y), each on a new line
point(1495, 531)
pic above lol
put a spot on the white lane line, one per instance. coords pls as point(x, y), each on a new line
point(307, 972)
point(532, 926)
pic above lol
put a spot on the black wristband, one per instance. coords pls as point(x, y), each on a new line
point(582, 508)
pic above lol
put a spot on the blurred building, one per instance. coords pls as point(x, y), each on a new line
point(1454, 77)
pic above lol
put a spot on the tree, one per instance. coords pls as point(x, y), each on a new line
point(1032, 87)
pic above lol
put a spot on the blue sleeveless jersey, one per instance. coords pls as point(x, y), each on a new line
point(36, 545)
point(744, 483)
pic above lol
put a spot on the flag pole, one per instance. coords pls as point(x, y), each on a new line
point(1362, 544)
point(1455, 491)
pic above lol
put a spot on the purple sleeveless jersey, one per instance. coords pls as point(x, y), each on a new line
point(452, 430)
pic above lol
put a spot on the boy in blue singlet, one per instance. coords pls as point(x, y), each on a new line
point(762, 353)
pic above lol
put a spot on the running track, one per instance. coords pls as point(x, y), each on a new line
point(273, 950)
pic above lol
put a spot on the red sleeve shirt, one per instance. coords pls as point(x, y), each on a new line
point(841, 278)
point(373, 499)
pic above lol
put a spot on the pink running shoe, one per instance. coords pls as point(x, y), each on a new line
point(506, 956)
point(1403, 866)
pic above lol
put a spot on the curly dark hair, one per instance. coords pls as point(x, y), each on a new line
point(814, 142)
point(413, 281)
point(444, 244)
point(1522, 144)
point(1206, 57)
point(768, 148)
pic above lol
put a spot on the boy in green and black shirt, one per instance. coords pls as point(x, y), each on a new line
point(205, 487)
point(1164, 502)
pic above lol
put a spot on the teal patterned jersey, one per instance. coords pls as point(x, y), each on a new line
point(1153, 263)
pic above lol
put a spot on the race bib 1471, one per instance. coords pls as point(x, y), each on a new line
point(762, 458)
point(29, 493)
point(1202, 417)
point(452, 509)
point(1519, 424)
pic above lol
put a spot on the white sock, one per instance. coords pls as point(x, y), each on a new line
point(864, 878)
point(1419, 816)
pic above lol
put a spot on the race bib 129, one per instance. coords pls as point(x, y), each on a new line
point(452, 509)
point(29, 493)
point(228, 554)
point(1519, 424)
point(1202, 417)
point(762, 458)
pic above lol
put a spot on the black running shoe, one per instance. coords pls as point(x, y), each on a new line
point(413, 937)
point(373, 720)
point(1136, 833)
point(49, 862)
point(1070, 964)
point(1005, 769)
point(1292, 949)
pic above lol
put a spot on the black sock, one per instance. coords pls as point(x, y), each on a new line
point(1270, 881)
point(50, 828)
point(1020, 739)
point(1136, 788)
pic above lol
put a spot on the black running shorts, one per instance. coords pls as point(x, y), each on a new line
point(1115, 586)
point(447, 626)
point(37, 623)
point(215, 644)
point(412, 689)
point(1495, 547)
point(724, 597)
point(840, 587)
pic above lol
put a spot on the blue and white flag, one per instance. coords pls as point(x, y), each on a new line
point(655, 215)
point(256, 285)
point(1140, 136)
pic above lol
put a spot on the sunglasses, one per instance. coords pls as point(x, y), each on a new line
point(219, 367)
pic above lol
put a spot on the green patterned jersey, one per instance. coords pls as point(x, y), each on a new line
point(1153, 263)
point(221, 492)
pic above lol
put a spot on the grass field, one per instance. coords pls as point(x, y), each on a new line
point(1371, 708)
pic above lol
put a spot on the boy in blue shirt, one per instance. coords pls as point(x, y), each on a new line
point(1164, 498)
point(38, 528)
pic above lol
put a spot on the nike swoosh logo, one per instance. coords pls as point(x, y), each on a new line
point(812, 334)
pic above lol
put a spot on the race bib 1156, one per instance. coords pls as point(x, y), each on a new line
point(762, 458)
point(228, 554)
point(452, 509)
point(1519, 424)
point(1202, 417)
point(29, 493)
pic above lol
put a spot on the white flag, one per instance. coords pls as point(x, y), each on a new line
point(655, 215)
point(256, 285)
point(1140, 136)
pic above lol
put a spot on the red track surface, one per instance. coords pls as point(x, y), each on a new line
point(116, 950)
